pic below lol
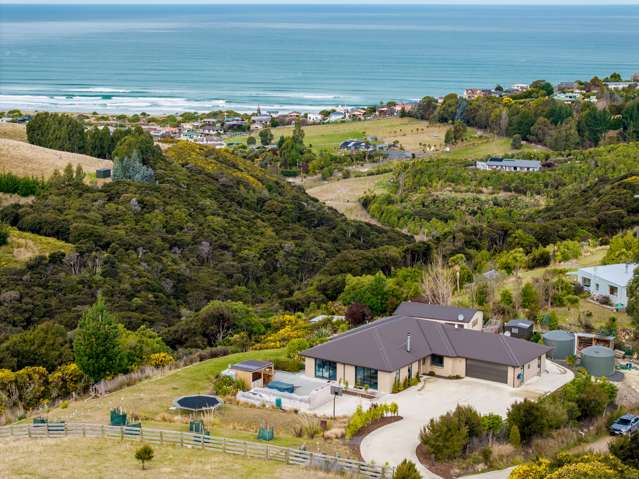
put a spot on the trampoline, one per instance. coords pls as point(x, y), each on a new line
point(198, 403)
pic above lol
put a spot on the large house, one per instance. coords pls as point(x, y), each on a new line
point(464, 318)
point(610, 280)
point(507, 164)
point(378, 354)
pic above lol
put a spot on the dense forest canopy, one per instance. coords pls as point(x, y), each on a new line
point(212, 226)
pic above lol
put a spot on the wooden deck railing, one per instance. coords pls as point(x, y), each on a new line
point(212, 443)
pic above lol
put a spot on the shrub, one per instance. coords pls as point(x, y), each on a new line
point(295, 346)
point(159, 360)
point(529, 418)
point(406, 470)
point(4, 234)
point(361, 418)
point(627, 450)
point(445, 438)
point(67, 380)
point(131, 168)
point(228, 386)
point(144, 454)
point(286, 364)
point(514, 437)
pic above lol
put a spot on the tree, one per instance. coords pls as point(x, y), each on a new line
point(251, 141)
point(374, 291)
point(97, 343)
point(45, 345)
point(144, 454)
point(630, 121)
point(358, 314)
point(266, 136)
point(593, 124)
point(529, 297)
point(131, 168)
point(4, 234)
point(515, 144)
point(438, 282)
point(528, 417)
point(425, 108)
point(406, 470)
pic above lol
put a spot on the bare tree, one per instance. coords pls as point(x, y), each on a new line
point(438, 282)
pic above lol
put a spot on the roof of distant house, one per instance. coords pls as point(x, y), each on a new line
point(520, 323)
point(435, 311)
point(619, 274)
point(509, 162)
point(382, 345)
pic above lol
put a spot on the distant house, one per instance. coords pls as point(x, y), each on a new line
point(567, 97)
point(336, 116)
point(464, 318)
point(507, 164)
point(610, 280)
point(355, 145)
point(620, 85)
point(358, 113)
point(567, 86)
point(472, 93)
point(314, 118)
point(519, 87)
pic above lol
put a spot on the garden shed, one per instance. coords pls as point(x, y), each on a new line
point(255, 374)
point(519, 328)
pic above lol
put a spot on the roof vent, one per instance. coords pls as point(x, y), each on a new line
point(408, 342)
point(460, 317)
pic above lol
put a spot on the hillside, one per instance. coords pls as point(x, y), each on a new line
point(13, 131)
point(23, 246)
point(24, 159)
point(213, 227)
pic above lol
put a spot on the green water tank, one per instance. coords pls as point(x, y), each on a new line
point(598, 360)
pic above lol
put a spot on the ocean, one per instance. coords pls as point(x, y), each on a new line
point(171, 58)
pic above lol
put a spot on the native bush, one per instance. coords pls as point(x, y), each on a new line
point(445, 438)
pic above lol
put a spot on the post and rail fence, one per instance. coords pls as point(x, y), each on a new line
point(256, 450)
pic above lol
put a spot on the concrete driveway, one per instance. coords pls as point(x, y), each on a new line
point(435, 397)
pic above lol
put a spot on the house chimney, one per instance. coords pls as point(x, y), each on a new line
point(408, 342)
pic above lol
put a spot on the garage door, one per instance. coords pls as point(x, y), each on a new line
point(484, 370)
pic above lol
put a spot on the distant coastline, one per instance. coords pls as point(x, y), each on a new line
point(174, 58)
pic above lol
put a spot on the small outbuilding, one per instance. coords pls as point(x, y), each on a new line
point(519, 328)
point(598, 360)
point(254, 374)
point(562, 342)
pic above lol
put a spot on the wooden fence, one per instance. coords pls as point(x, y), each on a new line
point(186, 439)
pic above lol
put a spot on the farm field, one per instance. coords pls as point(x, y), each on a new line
point(408, 131)
point(23, 159)
point(344, 195)
point(150, 402)
point(23, 246)
point(13, 131)
point(79, 458)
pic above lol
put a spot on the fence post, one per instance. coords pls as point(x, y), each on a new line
point(181, 439)
point(64, 428)
point(202, 441)
point(245, 448)
point(161, 437)
point(141, 435)
point(84, 430)
point(11, 430)
point(310, 458)
point(121, 433)
point(102, 430)
point(223, 444)
point(267, 452)
point(286, 456)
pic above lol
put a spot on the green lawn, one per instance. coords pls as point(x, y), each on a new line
point(482, 147)
point(23, 246)
point(408, 131)
point(150, 402)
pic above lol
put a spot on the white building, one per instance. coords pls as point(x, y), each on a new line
point(506, 164)
point(610, 280)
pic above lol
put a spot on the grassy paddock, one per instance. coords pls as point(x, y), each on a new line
point(23, 246)
point(110, 459)
point(408, 131)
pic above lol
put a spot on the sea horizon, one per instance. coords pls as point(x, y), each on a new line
point(173, 58)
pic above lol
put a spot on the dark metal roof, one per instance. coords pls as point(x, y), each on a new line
point(520, 323)
point(381, 345)
point(435, 311)
point(252, 365)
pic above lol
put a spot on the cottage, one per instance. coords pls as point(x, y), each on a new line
point(507, 164)
point(620, 85)
point(336, 116)
point(384, 352)
point(253, 373)
point(609, 280)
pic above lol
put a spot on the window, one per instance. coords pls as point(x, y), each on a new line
point(437, 360)
point(410, 372)
point(597, 286)
point(325, 369)
point(585, 282)
point(366, 377)
point(613, 290)
point(514, 330)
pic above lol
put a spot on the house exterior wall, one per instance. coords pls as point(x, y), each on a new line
point(600, 287)
point(532, 369)
point(451, 367)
